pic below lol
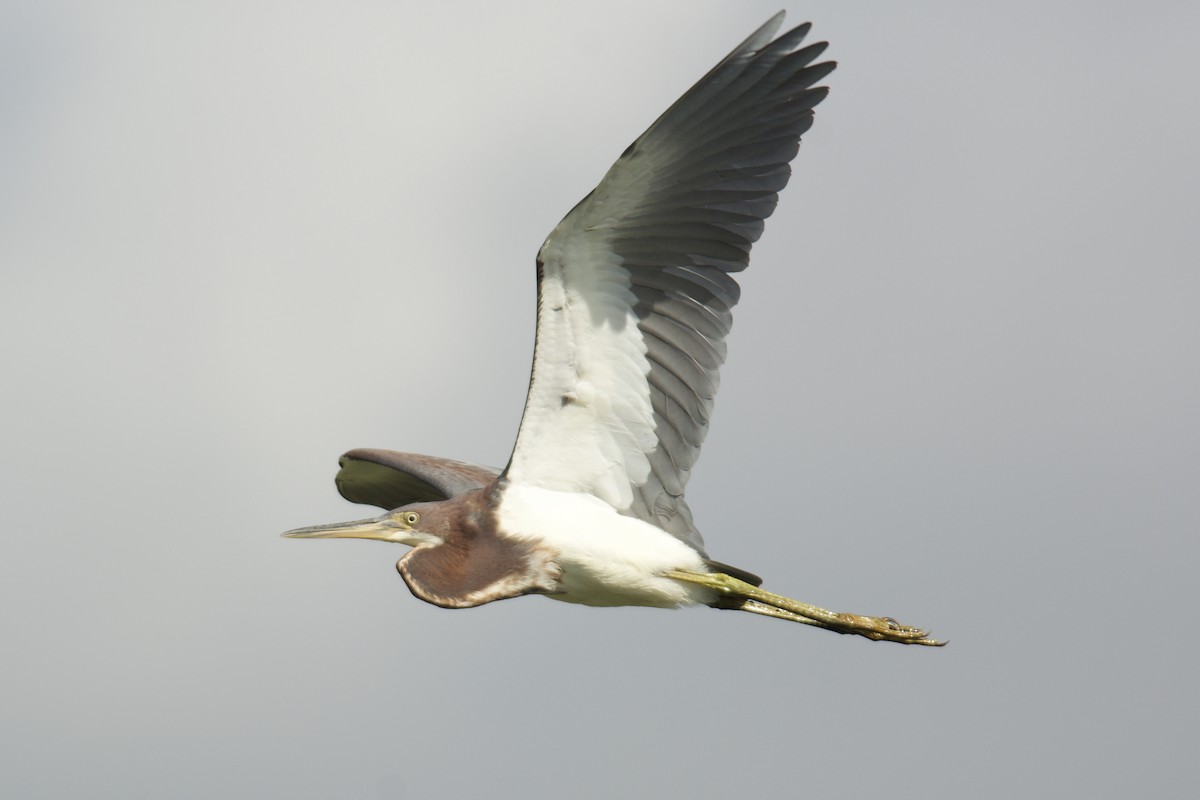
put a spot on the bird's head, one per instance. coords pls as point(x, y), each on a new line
point(413, 525)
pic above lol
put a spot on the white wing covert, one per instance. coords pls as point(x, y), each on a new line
point(634, 293)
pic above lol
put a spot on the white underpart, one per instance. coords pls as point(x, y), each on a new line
point(607, 559)
point(588, 422)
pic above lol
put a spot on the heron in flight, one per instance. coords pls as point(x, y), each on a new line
point(635, 295)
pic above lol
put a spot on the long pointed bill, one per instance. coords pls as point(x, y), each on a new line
point(376, 528)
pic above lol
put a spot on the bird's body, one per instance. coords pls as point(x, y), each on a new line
point(605, 558)
point(634, 303)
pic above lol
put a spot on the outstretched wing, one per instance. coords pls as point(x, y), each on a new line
point(634, 291)
point(388, 479)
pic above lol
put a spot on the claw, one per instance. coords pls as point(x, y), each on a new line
point(888, 629)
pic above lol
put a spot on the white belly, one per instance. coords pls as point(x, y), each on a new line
point(606, 559)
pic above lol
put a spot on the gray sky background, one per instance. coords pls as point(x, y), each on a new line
point(237, 239)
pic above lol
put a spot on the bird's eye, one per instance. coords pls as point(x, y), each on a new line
point(411, 518)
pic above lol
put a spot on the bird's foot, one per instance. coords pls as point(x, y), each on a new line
point(744, 596)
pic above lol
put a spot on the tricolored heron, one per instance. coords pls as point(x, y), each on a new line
point(634, 303)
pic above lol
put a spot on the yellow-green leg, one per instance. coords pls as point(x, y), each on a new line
point(748, 597)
